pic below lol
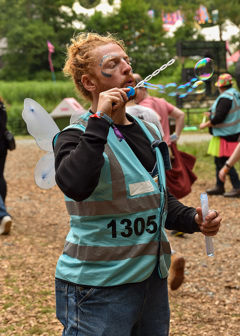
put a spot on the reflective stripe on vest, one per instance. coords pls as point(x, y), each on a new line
point(100, 253)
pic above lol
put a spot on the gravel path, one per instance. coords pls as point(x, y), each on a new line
point(184, 138)
point(198, 137)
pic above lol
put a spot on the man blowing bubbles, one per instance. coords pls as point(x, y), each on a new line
point(112, 276)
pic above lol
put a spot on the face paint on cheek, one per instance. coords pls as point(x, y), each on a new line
point(106, 74)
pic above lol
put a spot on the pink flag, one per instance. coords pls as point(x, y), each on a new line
point(51, 48)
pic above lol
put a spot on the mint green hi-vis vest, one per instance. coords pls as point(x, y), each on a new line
point(117, 234)
point(231, 124)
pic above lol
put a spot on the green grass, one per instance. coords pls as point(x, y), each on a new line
point(7, 305)
point(36, 330)
point(204, 167)
point(5, 331)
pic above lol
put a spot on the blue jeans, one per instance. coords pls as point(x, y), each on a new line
point(140, 309)
point(3, 211)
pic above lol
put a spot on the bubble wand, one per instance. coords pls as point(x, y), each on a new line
point(149, 77)
point(205, 211)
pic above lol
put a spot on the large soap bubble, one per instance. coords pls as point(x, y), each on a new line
point(204, 68)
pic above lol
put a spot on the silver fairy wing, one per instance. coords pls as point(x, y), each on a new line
point(44, 173)
point(39, 124)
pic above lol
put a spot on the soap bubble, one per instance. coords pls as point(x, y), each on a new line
point(194, 86)
point(189, 87)
point(161, 88)
point(199, 87)
point(170, 89)
point(182, 91)
point(193, 80)
point(204, 68)
point(150, 86)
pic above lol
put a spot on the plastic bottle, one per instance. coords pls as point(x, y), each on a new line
point(205, 211)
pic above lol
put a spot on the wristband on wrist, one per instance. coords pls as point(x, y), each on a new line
point(226, 169)
point(227, 165)
point(103, 115)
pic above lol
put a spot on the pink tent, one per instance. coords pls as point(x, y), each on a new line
point(66, 108)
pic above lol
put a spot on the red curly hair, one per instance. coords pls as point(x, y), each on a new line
point(80, 57)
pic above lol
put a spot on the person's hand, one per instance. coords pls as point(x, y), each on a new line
point(222, 173)
point(174, 137)
point(112, 100)
point(211, 225)
point(207, 114)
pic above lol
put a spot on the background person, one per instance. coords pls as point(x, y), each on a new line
point(163, 109)
point(5, 219)
point(112, 276)
point(144, 113)
point(224, 124)
point(3, 149)
point(229, 163)
point(181, 177)
point(5, 223)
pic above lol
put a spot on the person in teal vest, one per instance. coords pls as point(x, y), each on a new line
point(224, 124)
point(111, 278)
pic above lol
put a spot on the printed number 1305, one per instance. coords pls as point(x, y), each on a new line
point(137, 227)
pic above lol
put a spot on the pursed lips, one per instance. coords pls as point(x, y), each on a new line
point(130, 82)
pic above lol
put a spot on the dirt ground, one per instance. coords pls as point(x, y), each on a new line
point(208, 302)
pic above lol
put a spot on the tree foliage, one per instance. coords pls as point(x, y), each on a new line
point(28, 25)
point(89, 3)
point(143, 36)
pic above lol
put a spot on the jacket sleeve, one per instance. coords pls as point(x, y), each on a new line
point(223, 107)
point(180, 217)
point(3, 119)
point(79, 159)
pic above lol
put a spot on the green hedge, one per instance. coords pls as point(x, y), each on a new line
point(48, 94)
